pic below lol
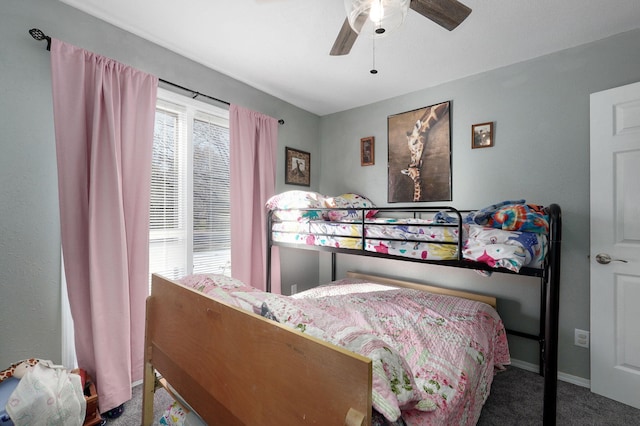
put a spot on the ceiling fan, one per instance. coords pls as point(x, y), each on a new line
point(446, 13)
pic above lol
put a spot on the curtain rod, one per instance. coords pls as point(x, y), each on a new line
point(39, 35)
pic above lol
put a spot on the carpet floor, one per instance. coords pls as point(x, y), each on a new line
point(515, 399)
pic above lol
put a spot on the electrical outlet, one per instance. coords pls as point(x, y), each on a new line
point(294, 288)
point(581, 338)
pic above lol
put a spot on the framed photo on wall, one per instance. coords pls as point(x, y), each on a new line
point(298, 167)
point(419, 155)
point(367, 151)
point(482, 135)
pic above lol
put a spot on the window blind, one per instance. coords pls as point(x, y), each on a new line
point(211, 197)
point(190, 198)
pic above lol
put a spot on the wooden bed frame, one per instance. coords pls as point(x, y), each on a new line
point(234, 367)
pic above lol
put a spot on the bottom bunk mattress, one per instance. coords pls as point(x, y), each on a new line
point(433, 356)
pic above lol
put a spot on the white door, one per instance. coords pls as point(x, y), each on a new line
point(615, 233)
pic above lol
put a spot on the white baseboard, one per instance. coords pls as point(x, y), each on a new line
point(569, 378)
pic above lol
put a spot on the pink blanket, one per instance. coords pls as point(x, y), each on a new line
point(452, 345)
point(433, 356)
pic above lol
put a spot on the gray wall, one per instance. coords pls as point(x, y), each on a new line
point(29, 216)
point(541, 153)
point(540, 107)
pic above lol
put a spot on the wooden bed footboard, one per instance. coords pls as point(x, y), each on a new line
point(237, 368)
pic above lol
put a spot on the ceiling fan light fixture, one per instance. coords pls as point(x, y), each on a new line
point(383, 15)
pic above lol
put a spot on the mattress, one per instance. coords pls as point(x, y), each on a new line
point(416, 238)
point(510, 234)
point(420, 239)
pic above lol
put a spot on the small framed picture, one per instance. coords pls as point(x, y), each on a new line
point(298, 167)
point(482, 135)
point(367, 151)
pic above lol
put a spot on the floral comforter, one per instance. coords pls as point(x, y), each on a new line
point(433, 356)
point(416, 238)
point(420, 239)
point(510, 234)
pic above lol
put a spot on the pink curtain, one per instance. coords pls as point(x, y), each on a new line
point(254, 143)
point(104, 117)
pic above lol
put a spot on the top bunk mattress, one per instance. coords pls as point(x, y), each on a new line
point(509, 235)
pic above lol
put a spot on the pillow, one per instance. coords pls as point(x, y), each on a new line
point(219, 287)
point(482, 216)
point(204, 282)
point(292, 200)
point(349, 200)
point(296, 199)
point(341, 287)
point(520, 217)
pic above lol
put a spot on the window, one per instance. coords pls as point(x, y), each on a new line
point(190, 199)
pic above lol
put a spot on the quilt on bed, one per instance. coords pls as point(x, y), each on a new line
point(510, 235)
point(451, 344)
point(416, 238)
point(433, 356)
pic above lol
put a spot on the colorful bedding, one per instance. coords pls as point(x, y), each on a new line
point(509, 235)
point(433, 356)
point(416, 238)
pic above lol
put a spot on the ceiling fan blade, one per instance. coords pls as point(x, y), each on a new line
point(446, 13)
point(347, 36)
point(344, 41)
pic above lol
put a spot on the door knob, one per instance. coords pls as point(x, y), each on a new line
point(605, 259)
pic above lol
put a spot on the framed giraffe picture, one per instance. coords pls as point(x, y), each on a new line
point(419, 155)
point(298, 167)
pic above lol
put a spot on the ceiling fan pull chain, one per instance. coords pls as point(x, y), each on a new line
point(373, 69)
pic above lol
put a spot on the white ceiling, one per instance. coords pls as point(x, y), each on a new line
point(282, 46)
